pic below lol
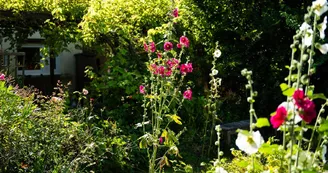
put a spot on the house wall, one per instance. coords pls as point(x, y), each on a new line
point(66, 60)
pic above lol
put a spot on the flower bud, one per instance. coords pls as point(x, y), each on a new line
point(249, 73)
point(248, 86)
point(305, 57)
point(292, 46)
point(255, 93)
point(248, 77)
point(244, 72)
point(250, 100)
point(312, 71)
point(252, 111)
point(307, 18)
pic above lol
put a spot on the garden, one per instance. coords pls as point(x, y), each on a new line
point(182, 86)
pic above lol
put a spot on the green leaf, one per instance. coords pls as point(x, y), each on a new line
point(262, 122)
point(318, 96)
point(283, 86)
point(175, 118)
point(289, 92)
point(268, 149)
point(143, 143)
point(323, 126)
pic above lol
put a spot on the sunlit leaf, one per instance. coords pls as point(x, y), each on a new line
point(262, 122)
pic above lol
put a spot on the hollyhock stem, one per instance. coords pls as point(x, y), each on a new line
point(299, 70)
point(311, 52)
point(316, 123)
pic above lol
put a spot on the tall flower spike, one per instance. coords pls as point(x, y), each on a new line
point(322, 27)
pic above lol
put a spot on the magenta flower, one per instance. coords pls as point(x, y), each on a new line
point(306, 107)
point(168, 46)
point(279, 118)
point(173, 63)
point(2, 77)
point(159, 55)
point(187, 94)
point(186, 68)
point(184, 41)
point(175, 12)
point(298, 97)
point(142, 89)
point(179, 45)
point(145, 47)
point(152, 46)
point(168, 72)
point(307, 110)
point(161, 140)
point(161, 70)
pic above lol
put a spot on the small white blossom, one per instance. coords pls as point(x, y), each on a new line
point(307, 40)
point(220, 170)
point(215, 72)
point(85, 92)
point(323, 48)
point(217, 53)
point(322, 27)
point(319, 6)
point(249, 143)
point(305, 26)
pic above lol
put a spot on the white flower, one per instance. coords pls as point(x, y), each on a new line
point(323, 48)
point(85, 92)
point(267, 171)
point(217, 53)
point(214, 72)
point(220, 170)
point(249, 143)
point(291, 108)
point(322, 27)
point(323, 153)
point(319, 6)
point(307, 39)
point(305, 26)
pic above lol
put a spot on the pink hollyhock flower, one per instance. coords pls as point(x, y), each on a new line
point(186, 68)
point(152, 46)
point(142, 89)
point(189, 67)
point(168, 46)
point(145, 47)
point(279, 118)
point(173, 63)
point(175, 12)
point(184, 41)
point(179, 45)
point(161, 70)
point(159, 55)
point(153, 68)
point(168, 72)
point(307, 110)
point(2, 77)
point(187, 94)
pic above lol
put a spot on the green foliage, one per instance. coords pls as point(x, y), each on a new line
point(37, 136)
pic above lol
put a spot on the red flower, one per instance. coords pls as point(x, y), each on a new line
point(187, 94)
point(307, 110)
point(168, 46)
point(179, 45)
point(175, 12)
point(299, 97)
point(153, 68)
point(168, 72)
point(161, 140)
point(142, 89)
point(306, 107)
point(184, 41)
point(152, 46)
point(145, 47)
point(279, 118)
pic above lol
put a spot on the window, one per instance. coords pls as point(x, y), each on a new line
point(33, 61)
